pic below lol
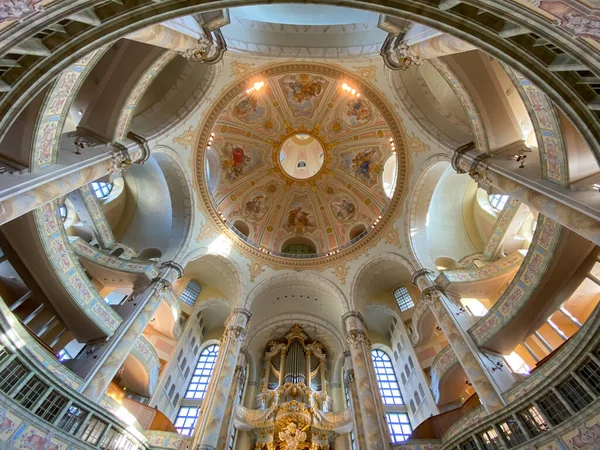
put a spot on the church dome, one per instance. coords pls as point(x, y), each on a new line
point(300, 161)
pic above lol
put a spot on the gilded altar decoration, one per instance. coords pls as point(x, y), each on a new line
point(292, 436)
point(294, 400)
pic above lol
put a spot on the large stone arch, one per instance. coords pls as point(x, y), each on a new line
point(230, 281)
point(182, 200)
point(371, 268)
point(418, 206)
point(295, 278)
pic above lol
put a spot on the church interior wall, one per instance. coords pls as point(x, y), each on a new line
point(451, 354)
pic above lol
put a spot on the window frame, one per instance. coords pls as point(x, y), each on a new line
point(387, 381)
point(101, 189)
point(403, 300)
point(401, 436)
point(498, 201)
point(190, 294)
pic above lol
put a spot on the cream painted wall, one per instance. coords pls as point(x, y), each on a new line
point(446, 231)
point(150, 225)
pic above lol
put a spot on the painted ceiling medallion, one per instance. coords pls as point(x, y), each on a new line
point(276, 163)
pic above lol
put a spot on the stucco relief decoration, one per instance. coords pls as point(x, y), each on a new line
point(357, 337)
point(255, 269)
point(573, 17)
point(481, 175)
point(206, 231)
point(341, 272)
point(369, 73)
point(187, 138)
point(240, 70)
point(18, 9)
point(296, 159)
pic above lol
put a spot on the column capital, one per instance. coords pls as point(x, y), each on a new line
point(357, 337)
point(120, 158)
point(142, 144)
point(458, 156)
point(407, 58)
point(172, 266)
point(354, 320)
point(430, 294)
point(421, 278)
point(242, 312)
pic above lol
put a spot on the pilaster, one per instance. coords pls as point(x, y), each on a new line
point(374, 424)
point(212, 419)
point(463, 346)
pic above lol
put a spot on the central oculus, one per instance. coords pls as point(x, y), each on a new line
point(301, 156)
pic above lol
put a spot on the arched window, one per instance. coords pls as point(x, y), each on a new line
point(101, 188)
point(399, 425)
point(411, 363)
point(190, 293)
point(403, 378)
point(398, 422)
point(403, 299)
point(386, 378)
point(498, 201)
point(202, 373)
point(62, 211)
point(186, 417)
point(417, 398)
point(186, 420)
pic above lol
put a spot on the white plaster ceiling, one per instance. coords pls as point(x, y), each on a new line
point(303, 14)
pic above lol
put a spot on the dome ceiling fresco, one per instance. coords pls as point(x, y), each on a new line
point(295, 157)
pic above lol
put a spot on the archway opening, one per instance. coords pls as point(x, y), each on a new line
point(299, 245)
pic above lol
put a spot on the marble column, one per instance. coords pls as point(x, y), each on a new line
point(203, 48)
point(563, 209)
point(441, 45)
point(463, 346)
point(375, 429)
point(211, 421)
point(123, 340)
point(22, 193)
point(232, 401)
point(401, 55)
point(350, 381)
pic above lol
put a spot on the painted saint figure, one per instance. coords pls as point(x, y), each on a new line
point(345, 209)
point(236, 164)
point(254, 206)
point(304, 89)
point(361, 164)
